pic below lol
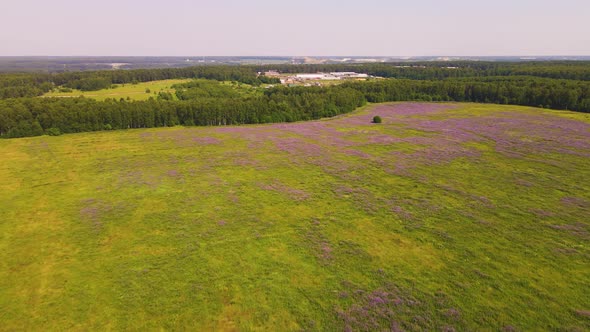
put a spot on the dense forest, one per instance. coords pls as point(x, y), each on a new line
point(557, 85)
point(36, 116)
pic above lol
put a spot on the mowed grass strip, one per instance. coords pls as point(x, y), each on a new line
point(444, 216)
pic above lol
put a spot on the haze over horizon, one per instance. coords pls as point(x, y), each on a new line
point(267, 28)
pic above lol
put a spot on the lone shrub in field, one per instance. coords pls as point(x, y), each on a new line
point(377, 119)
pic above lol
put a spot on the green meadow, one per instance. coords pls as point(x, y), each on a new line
point(132, 91)
point(443, 217)
point(146, 90)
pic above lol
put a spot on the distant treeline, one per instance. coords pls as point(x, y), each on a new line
point(572, 70)
point(517, 90)
point(215, 104)
point(36, 84)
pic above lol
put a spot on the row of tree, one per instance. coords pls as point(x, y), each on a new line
point(529, 91)
point(36, 116)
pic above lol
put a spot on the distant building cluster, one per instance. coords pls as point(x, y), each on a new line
point(306, 77)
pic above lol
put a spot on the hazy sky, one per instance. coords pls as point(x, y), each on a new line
point(299, 27)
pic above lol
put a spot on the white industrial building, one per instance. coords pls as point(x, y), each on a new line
point(348, 74)
point(293, 79)
point(318, 76)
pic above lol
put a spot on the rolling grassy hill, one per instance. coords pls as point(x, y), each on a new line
point(445, 216)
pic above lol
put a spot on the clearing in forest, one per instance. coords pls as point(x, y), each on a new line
point(138, 91)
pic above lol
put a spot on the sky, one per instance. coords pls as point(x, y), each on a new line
point(294, 28)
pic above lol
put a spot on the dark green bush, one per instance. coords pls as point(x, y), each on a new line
point(377, 119)
point(53, 131)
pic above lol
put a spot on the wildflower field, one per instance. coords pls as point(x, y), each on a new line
point(442, 217)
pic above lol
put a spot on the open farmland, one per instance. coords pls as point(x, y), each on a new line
point(136, 91)
point(445, 216)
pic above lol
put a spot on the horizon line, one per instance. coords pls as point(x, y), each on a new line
point(301, 56)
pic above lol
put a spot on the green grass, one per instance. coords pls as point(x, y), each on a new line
point(131, 91)
point(138, 91)
point(270, 228)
